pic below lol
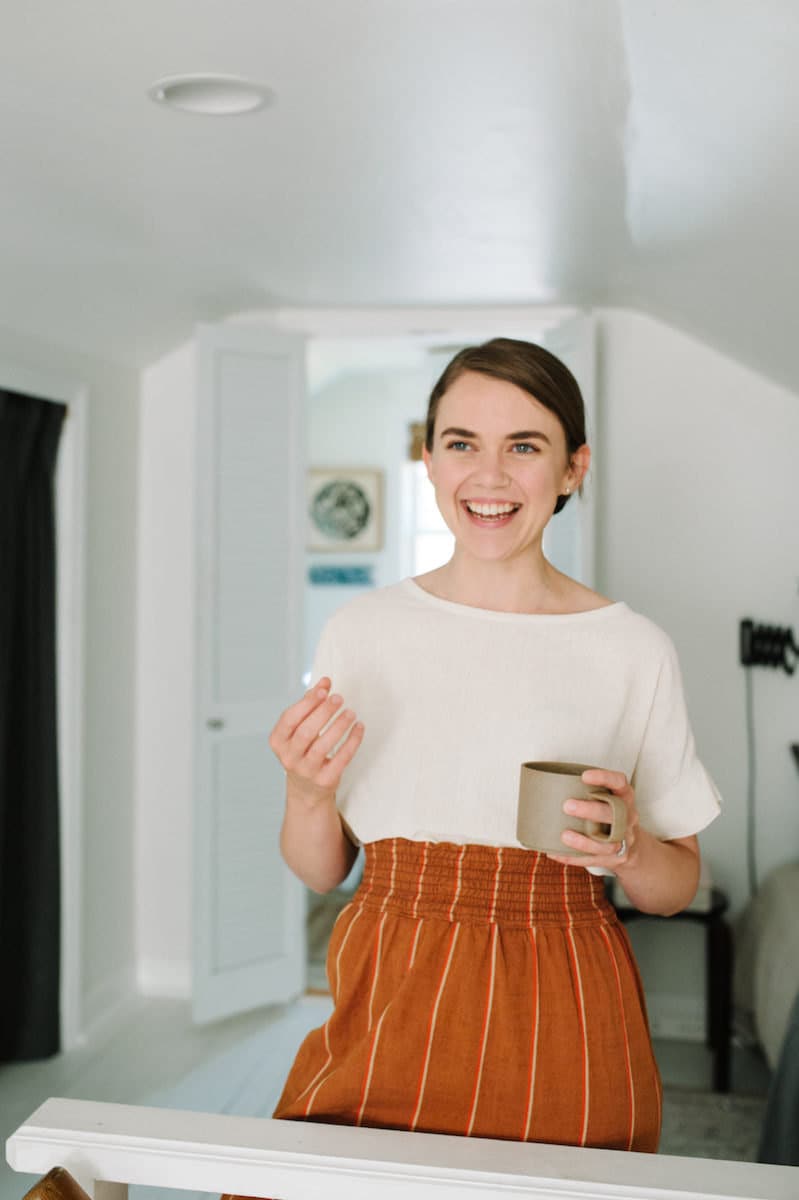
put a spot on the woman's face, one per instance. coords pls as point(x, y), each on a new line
point(498, 464)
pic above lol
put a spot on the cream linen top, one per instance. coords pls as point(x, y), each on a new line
point(455, 698)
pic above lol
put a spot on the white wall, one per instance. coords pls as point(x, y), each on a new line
point(106, 816)
point(698, 528)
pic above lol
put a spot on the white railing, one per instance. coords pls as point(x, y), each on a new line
point(105, 1147)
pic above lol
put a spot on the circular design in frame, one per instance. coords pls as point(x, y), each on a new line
point(344, 508)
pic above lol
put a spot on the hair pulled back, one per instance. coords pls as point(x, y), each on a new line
point(531, 368)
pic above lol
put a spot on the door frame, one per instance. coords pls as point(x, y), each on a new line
point(417, 322)
point(70, 510)
point(430, 325)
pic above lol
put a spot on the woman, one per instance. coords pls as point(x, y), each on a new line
point(481, 988)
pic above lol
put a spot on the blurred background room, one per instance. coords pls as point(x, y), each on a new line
point(237, 245)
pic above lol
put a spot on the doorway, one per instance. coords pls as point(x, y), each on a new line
point(366, 400)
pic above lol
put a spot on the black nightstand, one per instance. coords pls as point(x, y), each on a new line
point(718, 974)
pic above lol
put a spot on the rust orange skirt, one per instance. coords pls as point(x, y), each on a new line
point(481, 991)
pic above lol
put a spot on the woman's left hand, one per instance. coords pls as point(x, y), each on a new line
point(607, 855)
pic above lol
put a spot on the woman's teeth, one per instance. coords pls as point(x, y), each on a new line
point(490, 510)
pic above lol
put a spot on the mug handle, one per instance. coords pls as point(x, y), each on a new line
point(596, 829)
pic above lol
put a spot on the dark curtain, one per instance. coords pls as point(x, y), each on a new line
point(30, 891)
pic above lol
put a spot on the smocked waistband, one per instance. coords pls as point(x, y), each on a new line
point(482, 884)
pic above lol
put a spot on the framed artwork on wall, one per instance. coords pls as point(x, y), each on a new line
point(345, 509)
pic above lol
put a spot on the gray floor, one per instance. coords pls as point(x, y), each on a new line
point(157, 1057)
point(690, 1064)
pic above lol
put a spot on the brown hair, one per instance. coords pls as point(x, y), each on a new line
point(531, 368)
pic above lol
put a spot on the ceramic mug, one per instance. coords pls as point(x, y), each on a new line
point(544, 787)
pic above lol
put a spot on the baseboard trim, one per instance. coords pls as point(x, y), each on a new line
point(169, 980)
point(106, 1006)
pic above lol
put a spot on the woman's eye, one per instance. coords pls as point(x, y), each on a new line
point(458, 446)
point(525, 448)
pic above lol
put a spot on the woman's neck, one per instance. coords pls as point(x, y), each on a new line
point(530, 586)
point(502, 586)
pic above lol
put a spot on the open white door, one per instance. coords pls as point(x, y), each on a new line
point(249, 911)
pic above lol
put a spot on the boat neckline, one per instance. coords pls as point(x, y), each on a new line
point(411, 585)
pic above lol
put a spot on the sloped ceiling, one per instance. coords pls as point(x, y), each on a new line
point(640, 153)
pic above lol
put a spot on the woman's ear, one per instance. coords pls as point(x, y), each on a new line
point(427, 459)
point(578, 467)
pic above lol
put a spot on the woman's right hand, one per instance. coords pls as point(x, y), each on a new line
point(313, 771)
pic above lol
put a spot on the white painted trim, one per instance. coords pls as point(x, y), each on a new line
point(170, 980)
point(295, 1159)
point(107, 1006)
point(589, 503)
point(70, 551)
point(71, 501)
point(422, 323)
point(574, 340)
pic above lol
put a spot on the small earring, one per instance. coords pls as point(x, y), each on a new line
point(567, 491)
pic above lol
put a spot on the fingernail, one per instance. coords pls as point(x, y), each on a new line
point(570, 806)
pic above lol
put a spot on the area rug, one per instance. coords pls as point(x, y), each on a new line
point(711, 1125)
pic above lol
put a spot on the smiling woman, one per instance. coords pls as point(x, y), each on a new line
point(542, 378)
point(492, 473)
point(505, 447)
point(481, 988)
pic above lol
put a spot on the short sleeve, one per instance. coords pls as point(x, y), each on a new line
point(675, 795)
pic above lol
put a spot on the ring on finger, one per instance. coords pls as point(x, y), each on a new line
point(622, 850)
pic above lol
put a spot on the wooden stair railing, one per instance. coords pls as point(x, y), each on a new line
point(101, 1148)
point(57, 1184)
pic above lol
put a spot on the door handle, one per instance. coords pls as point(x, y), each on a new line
point(215, 723)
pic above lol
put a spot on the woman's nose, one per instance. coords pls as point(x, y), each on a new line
point(492, 469)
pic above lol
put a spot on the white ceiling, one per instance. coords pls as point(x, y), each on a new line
point(629, 152)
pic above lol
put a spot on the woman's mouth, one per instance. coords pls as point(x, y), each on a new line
point(490, 512)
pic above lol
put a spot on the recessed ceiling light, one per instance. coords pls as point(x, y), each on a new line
point(211, 95)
